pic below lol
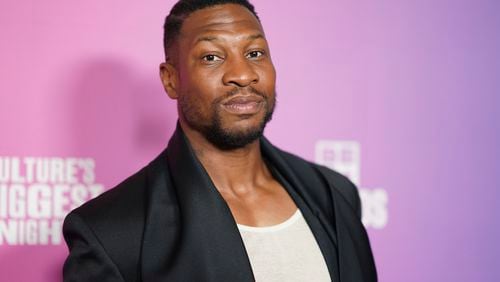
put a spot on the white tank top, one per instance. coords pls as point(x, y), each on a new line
point(284, 252)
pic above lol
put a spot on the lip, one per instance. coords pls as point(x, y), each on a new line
point(244, 105)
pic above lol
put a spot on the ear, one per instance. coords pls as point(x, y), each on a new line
point(169, 79)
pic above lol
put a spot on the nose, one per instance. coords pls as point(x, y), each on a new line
point(240, 72)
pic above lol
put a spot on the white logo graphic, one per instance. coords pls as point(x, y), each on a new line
point(37, 193)
point(345, 158)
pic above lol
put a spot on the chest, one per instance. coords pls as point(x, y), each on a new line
point(284, 252)
point(264, 206)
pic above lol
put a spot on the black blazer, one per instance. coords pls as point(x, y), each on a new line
point(168, 222)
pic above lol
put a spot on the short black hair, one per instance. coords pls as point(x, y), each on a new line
point(183, 8)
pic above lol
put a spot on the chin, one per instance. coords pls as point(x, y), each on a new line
point(237, 135)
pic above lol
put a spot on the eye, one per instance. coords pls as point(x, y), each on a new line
point(255, 54)
point(211, 58)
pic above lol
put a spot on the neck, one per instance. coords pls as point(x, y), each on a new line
point(235, 172)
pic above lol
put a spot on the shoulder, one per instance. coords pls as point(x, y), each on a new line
point(341, 184)
point(97, 231)
point(122, 209)
point(117, 202)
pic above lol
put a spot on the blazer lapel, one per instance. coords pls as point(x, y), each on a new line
point(161, 237)
point(206, 245)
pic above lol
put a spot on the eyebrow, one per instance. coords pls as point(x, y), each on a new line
point(215, 38)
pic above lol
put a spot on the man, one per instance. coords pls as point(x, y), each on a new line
point(221, 203)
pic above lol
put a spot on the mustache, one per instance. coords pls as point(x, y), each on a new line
point(248, 89)
point(240, 90)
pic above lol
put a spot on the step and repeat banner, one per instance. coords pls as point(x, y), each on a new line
point(400, 96)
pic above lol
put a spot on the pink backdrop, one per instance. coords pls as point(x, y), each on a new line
point(406, 91)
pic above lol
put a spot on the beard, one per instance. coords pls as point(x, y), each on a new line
point(212, 128)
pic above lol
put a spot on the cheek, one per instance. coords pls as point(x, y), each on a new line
point(268, 79)
point(205, 86)
point(199, 96)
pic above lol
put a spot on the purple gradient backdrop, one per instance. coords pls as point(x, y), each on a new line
point(415, 82)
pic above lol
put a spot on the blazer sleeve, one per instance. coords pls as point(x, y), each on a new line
point(87, 260)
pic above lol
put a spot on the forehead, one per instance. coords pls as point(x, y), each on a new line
point(220, 20)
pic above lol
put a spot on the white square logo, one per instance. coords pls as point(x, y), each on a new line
point(342, 156)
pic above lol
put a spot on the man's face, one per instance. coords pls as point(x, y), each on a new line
point(226, 79)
